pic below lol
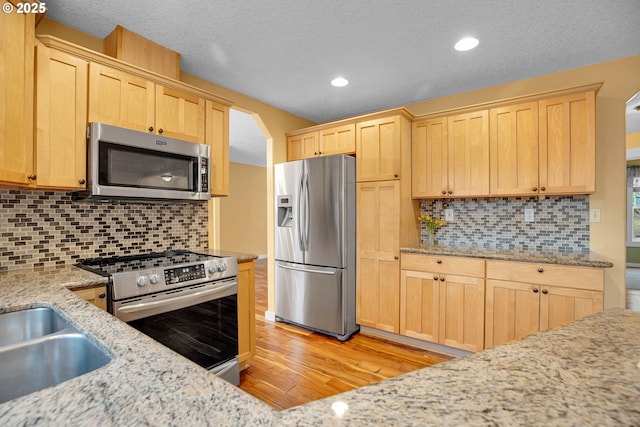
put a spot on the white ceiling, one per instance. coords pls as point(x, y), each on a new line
point(285, 52)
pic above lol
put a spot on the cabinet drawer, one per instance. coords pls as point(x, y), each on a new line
point(547, 274)
point(463, 266)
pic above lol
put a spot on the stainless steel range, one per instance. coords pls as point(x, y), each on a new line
point(184, 300)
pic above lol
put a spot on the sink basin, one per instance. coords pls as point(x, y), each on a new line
point(24, 325)
point(40, 349)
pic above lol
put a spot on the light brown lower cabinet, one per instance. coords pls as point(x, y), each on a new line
point(96, 296)
point(442, 300)
point(246, 312)
point(524, 298)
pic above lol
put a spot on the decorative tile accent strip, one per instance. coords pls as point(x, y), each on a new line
point(46, 229)
point(560, 223)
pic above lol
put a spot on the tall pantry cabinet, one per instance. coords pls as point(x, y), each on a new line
point(386, 216)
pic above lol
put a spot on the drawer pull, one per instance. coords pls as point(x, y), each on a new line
point(150, 128)
point(535, 290)
point(534, 189)
point(442, 278)
point(102, 295)
point(545, 291)
point(435, 277)
point(543, 188)
point(540, 270)
point(444, 192)
point(439, 261)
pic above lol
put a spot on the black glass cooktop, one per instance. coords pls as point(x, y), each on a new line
point(107, 266)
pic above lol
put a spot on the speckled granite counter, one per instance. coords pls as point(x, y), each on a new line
point(588, 259)
point(583, 374)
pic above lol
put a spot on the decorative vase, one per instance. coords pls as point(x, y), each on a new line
point(430, 237)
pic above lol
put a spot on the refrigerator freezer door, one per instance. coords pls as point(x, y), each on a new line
point(311, 296)
point(288, 231)
point(328, 230)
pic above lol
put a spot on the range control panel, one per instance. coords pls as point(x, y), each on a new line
point(148, 281)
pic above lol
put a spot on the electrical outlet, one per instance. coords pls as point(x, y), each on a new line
point(448, 215)
point(529, 215)
point(594, 215)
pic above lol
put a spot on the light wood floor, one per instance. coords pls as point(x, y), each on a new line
point(293, 366)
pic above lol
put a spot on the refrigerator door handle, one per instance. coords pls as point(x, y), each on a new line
point(307, 270)
point(306, 214)
point(299, 219)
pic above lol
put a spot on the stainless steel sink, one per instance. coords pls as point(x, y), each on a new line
point(39, 349)
point(24, 325)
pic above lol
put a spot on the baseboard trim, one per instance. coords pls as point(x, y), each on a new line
point(436, 348)
point(270, 316)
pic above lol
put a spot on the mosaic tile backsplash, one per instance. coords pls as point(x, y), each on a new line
point(46, 229)
point(560, 223)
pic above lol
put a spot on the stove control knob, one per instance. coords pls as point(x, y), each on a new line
point(222, 267)
point(213, 268)
point(142, 281)
point(154, 279)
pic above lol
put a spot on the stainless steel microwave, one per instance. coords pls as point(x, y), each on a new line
point(124, 163)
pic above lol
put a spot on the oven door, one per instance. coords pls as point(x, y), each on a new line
point(199, 322)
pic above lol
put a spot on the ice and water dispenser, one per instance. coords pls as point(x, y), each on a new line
point(285, 211)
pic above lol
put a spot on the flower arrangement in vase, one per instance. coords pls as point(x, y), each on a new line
point(431, 224)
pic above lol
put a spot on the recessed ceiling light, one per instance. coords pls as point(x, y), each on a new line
point(466, 43)
point(339, 82)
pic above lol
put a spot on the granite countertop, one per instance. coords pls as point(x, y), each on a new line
point(584, 259)
point(584, 374)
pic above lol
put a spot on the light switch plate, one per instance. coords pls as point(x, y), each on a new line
point(594, 215)
point(448, 215)
point(529, 215)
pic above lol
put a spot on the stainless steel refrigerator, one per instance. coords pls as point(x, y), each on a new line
point(316, 244)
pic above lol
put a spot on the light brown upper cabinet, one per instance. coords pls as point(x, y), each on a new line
point(544, 147)
point(324, 142)
point(302, 146)
point(337, 140)
point(379, 149)
point(450, 156)
point(17, 38)
point(513, 135)
point(217, 137)
point(61, 120)
point(122, 99)
point(568, 144)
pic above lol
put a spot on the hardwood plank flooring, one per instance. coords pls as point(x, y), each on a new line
point(293, 366)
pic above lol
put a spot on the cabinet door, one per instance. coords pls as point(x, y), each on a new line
point(429, 158)
point(120, 99)
point(61, 119)
point(246, 311)
point(568, 144)
point(560, 306)
point(179, 115)
point(468, 154)
point(377, 255)
point(462, 312)
point(337, 140)
point(17, 38)
point(217, 137)
point(420, 305)
point(378, 149)
point(302, 146)
point(96, 296)
point(513, 142)
point(512, 311)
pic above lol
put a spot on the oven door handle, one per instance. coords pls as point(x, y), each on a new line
point(130, 312)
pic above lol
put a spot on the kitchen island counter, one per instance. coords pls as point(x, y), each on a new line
point(586, 373)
